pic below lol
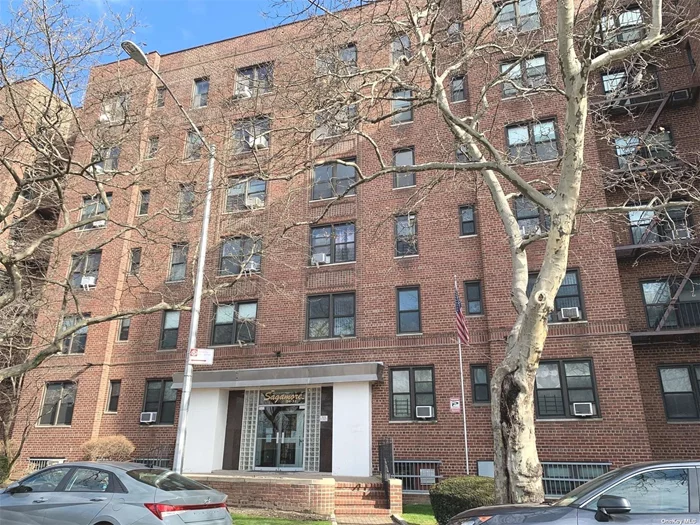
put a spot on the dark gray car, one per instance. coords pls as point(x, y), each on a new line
point(90, 493)
point(658, 493)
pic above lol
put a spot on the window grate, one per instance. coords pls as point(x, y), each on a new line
point(561, 478)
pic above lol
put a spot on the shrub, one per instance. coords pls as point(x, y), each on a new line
point(108, 448)
point(454, 495)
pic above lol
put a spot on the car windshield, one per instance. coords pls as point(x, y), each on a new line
point(165, 479)
point(582, 492)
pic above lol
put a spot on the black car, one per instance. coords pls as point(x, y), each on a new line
point(656, 493)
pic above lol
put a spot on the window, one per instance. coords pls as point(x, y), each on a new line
point(467, 222)
point(124, 326)
point(178, 262)
point(88, 480)
point(160, 96)
point(135, 261)
point(171, 326)
point(47, 480)
point(472, 293)
point(240, 254)
point(401, 48)
point(461, 153)
point(334, 122)
point(532, 141)
point(152, 147)
point(144, 200)
point(92, 207)
point(201, 93)
point(454, 31)
point(411, 388)
point(115, 387)
point(185, 201)
point(560, 384)
point(680, 386)
point(59, 400)
point(617, 84)
point(234, 323)
point(193, 145)
point(685, 313)
point(251, 134)
point(521, 15)
point(160, 398)
point(650, 227)
point(633, 153)
point(526, 74)
point(406, 235)
point(401, 108)
point(85, 268)
point(457, 86)
point(254, 80)
point(245, 193)
point(114, 109)
point(408, 306)
point(532, 219)
point(331, 316)
point(106, 159)
point(568, 296)
point(663, 491)
point(75, 342)
point(481, 391)
point(336, 241)
point(339, 61)
point(623, 27)
point(404, 157)
point(333, 179)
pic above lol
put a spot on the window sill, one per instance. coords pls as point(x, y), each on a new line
point(683, 422)
point(175, 282)
point(322, 339)
point(406, 256)
point(396, 124)
point(459, 101)
point(411, 334)
point(474, 316)
point(564, 323)
point(413, 421)
point(149, 425)
point(241, 274)
point(81, 230)
point(534, 162)
point(192, 161)
point(107, 413)
point(405, 187)
point(240, 212)
point(166, 350)
point(232, 345)
point(121, 342)
point(250, 152)
point(327, 199)
point(566, 419)
point(51, 426)
point(481, 404)
point(331, 264)
point(183, 219)
point(141, 215)
point(468, 236)
point(61, 354)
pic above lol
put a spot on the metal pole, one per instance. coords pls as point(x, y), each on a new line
point(194, 322)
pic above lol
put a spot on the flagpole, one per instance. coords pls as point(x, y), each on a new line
point(464, 405)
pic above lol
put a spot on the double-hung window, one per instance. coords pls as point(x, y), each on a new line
point(106, 159)
point(560, 384)
point(400, 48)
point(251, 134)
point(185, 201)
point(481, 391)
point(633, 153)
point(339, 61)
point(160, 398)
point(124, 328)
point(245, 193)
point(526, 74)
point(521, 15)
point(532, 141)
point(240, 254)
point(650, 227)
point(144, 201)
point(335, 241)
point(532, 219)
point(193, 145)
point(169, 332)
point(408, 310)
point(114, 109)
point(234, 323)
point(135, 261)
point(160, 96)
point(680, 387)
point(404, 157)
point(200, 96)
point(334, 122)
point(623, 27)
point(254, 80)
point(115, 387)
point(457, 88)
point(178, 262)
point(152, 147)
point(685, 312)
point(331, 315)
point(472, 293)
point(401, 106)
point(75, 342)
point(406, 233)
point(466, 220)
point(92, 207)
point(59, 400)
point(333, 179)
point(85, 268)
point(618, 84)
point(568, 296)
point(411, 388)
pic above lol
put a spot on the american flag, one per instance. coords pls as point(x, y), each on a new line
point(462, 329)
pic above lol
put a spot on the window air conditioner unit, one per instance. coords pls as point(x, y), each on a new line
point(251, 266)
point(583, 409)
point(570, 314)
point(681, 234)
point(148, 417)
point(104, 118)
point(87, 282)
point(320, 258)
point(425, 412)
point(681, 95)
point(243, 91)
point(99, 224)
point(526, 231)
point(254, 203)
point(258, 142)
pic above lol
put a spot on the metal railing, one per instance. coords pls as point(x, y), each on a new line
point(417, 476)
point(561, 478)
point(160, 456)
point(40, 463)
point(682, 315)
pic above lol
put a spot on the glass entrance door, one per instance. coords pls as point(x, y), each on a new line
point(280, 438)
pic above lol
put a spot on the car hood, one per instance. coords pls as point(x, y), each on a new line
point(513, 514)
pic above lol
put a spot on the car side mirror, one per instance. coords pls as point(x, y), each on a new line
point(609, 505)
point(17, 489)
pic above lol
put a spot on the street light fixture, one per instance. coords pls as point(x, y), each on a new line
point(138, 56)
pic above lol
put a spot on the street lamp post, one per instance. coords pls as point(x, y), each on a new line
point(138, 56)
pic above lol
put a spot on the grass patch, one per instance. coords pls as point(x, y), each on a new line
point(419, 514)
point(247, 519)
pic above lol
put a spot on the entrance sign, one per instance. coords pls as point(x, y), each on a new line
point(202, 356)
point(283, 397)
point(455, 405)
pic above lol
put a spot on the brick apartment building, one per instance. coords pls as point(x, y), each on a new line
point(338, 330)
